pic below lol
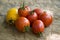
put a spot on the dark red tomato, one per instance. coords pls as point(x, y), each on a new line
point(38, 11)
point(38, 26)
point(32, 17)
point(46, 18)
point(28, 8)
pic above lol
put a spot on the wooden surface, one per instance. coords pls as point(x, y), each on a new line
point(10, 33)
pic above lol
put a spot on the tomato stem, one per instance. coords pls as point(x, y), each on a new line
point(23, 6)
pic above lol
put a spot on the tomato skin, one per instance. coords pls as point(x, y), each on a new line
point(38, 26)
point(32, 17)
point(21, 23)
point(27, 8)
point(11, 15)
point(38, 11)
point(22, 12)
point(46, 18)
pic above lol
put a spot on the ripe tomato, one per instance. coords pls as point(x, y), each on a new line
point(46, 18)
point(38, 11)
point(23, 11)
point(27, 8)
point(22, 24)
point(38, 26)
point(32, 17)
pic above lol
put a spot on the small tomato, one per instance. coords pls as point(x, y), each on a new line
point(22, 24)
point(38, 11)
point(11, 15)
point(32, 17)
point(46, 18)
point(38, 26)
point(23, 11)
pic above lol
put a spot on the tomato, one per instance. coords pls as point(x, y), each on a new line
point(22, 11)
point(38, 26)
point(32, 17)
point(46, 18)
point(27, 8)
point(22, 24)
point(11, 15)
point(38, 11)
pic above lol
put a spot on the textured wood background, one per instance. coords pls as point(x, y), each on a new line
point(10, 33)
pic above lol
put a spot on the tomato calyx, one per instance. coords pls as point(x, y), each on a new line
point(31, 12)
point(23, 6)
point(27, 28)
point(11, 21)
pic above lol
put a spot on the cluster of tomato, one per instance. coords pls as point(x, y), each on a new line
point(27, 19)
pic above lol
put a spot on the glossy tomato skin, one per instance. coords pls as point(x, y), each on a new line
point(21, 23)
point(32, 17)
point(38, 11)
point(27, 8)
point(38, 26)
point(46, 18)
point(22, 12)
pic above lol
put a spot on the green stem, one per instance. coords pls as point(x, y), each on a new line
point(23, 6)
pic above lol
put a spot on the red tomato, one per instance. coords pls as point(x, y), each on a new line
point(38, 11)
point(38, 26)
point(32, 17)
point(22, 24)
point(46, 18)
point(22, 12)
point(27, 8)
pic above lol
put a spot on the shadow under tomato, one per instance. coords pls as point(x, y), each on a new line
point(17, 33)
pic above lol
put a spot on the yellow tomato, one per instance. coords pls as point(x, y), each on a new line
point(12, 15)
